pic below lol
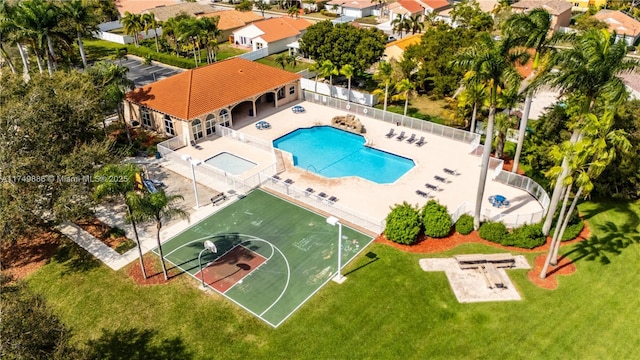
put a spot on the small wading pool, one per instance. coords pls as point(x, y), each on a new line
point(335, 153)
point(230, 163)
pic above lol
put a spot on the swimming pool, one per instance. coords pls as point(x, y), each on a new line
point(230, 163)
point(335, 153)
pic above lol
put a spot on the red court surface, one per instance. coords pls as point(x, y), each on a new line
point(232, 267)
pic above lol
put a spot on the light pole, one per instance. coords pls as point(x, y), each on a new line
point(208, 245)
point(193, 163)
point(332, 220)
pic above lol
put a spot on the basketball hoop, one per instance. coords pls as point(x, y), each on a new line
point(209, 245)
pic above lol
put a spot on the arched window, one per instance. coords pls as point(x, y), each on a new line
point(196, 127)
point(224, 118)
point(210, 124)
point(168, 125)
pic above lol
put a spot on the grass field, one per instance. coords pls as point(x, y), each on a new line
point(387, 309)
point(272, 255)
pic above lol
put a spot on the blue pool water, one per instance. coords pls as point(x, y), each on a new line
point(335, 153)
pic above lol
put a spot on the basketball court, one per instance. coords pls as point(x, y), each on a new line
point(272, 255)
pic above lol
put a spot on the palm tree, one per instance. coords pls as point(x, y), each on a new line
point(348, 71)
point(6, 27)
point(315, 68)
point(405, 86)
point(112, 83)
point(189, 30)
point(83, 18)
point(490, 62)
point(292, 59)
point(588, 69)
point(508, 99)
point(473, 95)
point(328, 69)
point(132, 25)
point(293, 11)
point(149, 22)
point(587, 159)
point(503, 122)
point(38, 19)
point(282, 60)
point(385, 76)
point(401, 24)
point(210, 33)
point(530, 30)
point(415, 24)
point(158, 207)
point(108, 189)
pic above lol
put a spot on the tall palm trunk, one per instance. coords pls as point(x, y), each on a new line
point(406, 103)
point(36, 52)
point(574, 203)
point(124, 123)
point(164, 267)
point(52, 53)
point(315, 89)
point(386, 96)
point(82, 53)
point(522, 131)
point(474, 116)
point(25, 61)
point(135, 232)
point(486, 154)
point(554, 239)
point(155, 32)
point(557, 190)
point(6, 57)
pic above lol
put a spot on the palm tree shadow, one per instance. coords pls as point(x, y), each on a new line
point(602, 248)
point(136, 344)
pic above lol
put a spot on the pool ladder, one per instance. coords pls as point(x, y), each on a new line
point(314, 168)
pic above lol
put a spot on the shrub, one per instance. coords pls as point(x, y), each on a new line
point(403, 224)
point(527, 236)
point(572, 231)
point(464, 225)
point(436, 218)
point(493, 231)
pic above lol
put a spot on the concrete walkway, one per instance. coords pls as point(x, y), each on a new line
point(113, 216)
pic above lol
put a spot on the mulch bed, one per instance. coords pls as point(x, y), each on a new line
point(427, 245)
point(101, 231)
point(28, 254)
point(153, 270)
point(565, 267)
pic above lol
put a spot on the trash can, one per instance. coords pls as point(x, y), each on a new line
point(158, 155)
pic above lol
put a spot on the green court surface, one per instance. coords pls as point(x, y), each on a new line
point(272, 255)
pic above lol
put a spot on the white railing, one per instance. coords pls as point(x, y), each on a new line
point(374, 225)
point(526, 184)
point(393, 118)
point(509, 220)
point(338, 92)
point(172, 144)
point(244, 138)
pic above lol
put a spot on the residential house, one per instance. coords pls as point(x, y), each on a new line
point(584, 5)
point(192, 103)
point(632, 80)
point(273, 34)
point(434, 5)
point(231, 20)
point(405, 9)
point(352, 8)
point(395, 49)
point(625, 27)
point(137, 6)
point(165, 12)
point(559, 10)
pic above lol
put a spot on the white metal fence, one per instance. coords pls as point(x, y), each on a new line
point(244, 138)
point(526, 184)
point(255, 55)
point(374, 225)
point(339, 92)
point(170, 145)
point(393, 118)
point(490, 214)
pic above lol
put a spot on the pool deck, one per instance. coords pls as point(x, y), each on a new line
point(363, 196)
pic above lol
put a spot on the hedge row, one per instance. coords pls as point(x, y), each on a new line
point(406, 222)
point(527, 236)
point(168, 59)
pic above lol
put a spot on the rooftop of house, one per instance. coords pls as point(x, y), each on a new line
point(198, 91)
point(406, 41)
point(137, 6)
point(619, 22)
point(233, 19)
point(435, 4)
point(410, 7)
point(164, 12)
point(275, 29)
point(354, 4)
point(554, 7)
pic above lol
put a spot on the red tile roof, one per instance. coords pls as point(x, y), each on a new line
point(619, 22)
point(275, 29)
point(436, 4)
point(198, 91)
point(233, 19)
point(411, 5)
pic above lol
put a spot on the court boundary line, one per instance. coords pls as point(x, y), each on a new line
point(250, 272)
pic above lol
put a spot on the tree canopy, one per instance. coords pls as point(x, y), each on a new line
point(343, 44)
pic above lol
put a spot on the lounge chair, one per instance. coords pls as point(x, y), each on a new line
point(390, 134)
point(440, 178)
point(195, 145)
point(401, 136)
point(450, 171)
point(411, 139)
point(422, 193)
point(332, 199)
point(288, 181)
point(309, 191)
point(421, 141)
point(432, 187)
point(276, 177)
point(322, 195)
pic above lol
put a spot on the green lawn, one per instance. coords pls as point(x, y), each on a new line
point(271, 61)
point(387, 309)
